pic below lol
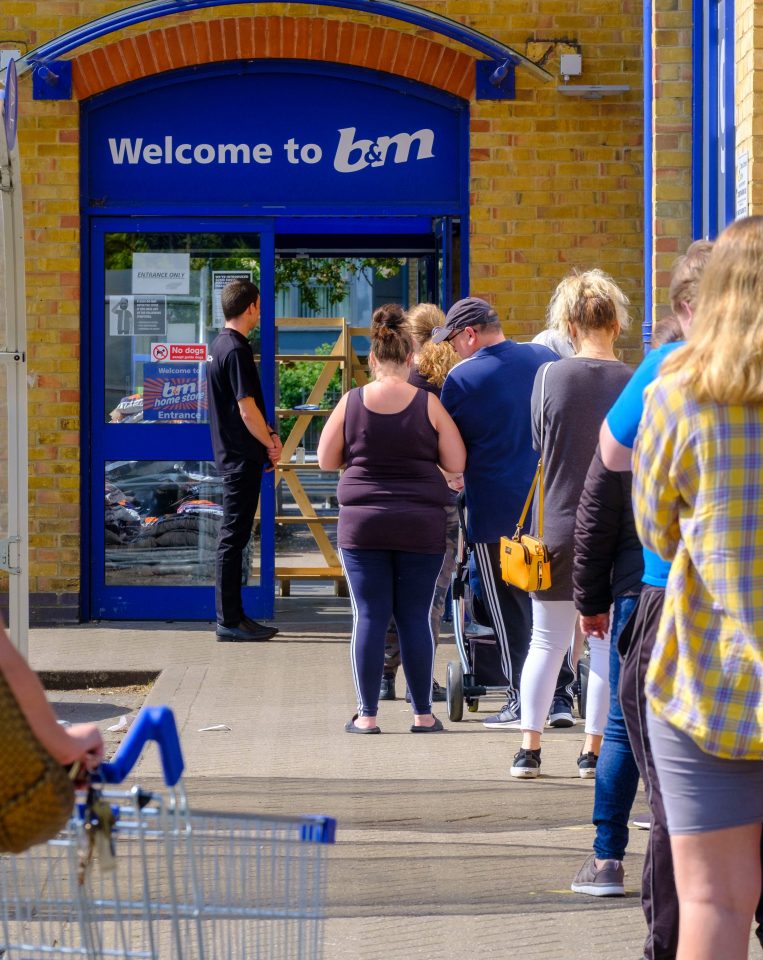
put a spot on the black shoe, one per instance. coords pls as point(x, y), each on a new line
point(255, 627)
point(560, 714)
point(438, 693)
point(241, 634)
point(435, 727)
point(387, 689)
point(526, 764)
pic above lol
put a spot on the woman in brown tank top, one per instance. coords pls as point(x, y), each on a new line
point(391, 439)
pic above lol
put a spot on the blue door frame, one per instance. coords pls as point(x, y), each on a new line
point(140, 198)
point(104, 442)
point(109, 442)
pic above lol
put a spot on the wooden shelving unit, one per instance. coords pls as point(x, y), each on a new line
point(341, 358)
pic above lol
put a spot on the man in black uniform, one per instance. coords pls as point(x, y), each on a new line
point(244, 443)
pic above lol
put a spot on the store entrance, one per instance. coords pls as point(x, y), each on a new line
point(327, 287)
point(154, 495)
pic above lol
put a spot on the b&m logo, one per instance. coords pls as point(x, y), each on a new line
point(351, 154)
point(357, 154)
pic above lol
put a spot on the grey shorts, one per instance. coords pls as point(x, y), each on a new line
point(702, 792)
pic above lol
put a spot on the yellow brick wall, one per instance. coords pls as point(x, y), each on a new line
point(556, 182)
point(749, 93)
point(672, 133)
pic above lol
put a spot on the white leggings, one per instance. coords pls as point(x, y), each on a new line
point(553, 631)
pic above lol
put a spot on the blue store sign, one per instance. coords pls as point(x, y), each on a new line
point(276, 136)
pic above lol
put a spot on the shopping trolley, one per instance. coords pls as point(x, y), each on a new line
point(137, 875)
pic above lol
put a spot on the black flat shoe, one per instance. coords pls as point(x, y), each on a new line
point(435, 728)
point(387, 689)
point(350, 727)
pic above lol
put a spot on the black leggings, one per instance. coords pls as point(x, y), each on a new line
point(385, 583)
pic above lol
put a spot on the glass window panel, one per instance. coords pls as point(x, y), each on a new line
point(161, 313)
point(161, 523)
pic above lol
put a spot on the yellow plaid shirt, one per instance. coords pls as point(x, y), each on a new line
point(698, 500)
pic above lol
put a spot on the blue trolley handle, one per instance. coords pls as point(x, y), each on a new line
point(152, 723)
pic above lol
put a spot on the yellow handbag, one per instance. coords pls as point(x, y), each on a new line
point(524, 559)
point(36, 793)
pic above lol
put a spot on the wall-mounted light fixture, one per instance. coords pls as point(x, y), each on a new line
point(52, 80)
point(495, 79)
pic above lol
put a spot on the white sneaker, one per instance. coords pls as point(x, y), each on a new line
point(507, 718)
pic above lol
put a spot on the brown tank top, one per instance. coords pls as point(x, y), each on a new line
point(392, 495)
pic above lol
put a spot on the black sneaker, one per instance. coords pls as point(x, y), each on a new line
point(254, 626)
point(387, 689)
point(587, 766)
point(560, 714)
point(242, 633)
point(526, 765)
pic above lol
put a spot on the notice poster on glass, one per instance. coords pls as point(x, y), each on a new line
point(161, 273)
point(219, 279)
point(137, 316)
point(174, 392)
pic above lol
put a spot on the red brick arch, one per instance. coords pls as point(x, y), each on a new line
point(248, 38)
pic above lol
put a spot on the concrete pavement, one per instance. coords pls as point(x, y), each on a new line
point(439, 853)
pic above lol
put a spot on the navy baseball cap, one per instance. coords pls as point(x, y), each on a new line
point(468, 312)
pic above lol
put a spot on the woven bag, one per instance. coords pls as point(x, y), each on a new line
point(36, 794)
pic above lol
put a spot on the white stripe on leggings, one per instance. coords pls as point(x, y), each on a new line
point(491, 595)
point(353, 663)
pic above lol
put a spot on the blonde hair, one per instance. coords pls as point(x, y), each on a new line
point(686, 273)
point(435, 360)
point(591, 300)
point(667, 330)
point(422, 319)
point(723, 359)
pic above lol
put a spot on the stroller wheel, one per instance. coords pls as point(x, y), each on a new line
point(454, 690)
point(472, 705)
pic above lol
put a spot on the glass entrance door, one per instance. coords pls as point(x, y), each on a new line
point(155, 497)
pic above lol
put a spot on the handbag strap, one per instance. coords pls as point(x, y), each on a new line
point(538, 478)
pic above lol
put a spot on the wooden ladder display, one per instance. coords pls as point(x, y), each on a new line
point(341, 357)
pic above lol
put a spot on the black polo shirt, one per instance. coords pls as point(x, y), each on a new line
point(231, 376)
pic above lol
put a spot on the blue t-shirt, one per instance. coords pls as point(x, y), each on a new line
point(488, 396)
point(623, 420)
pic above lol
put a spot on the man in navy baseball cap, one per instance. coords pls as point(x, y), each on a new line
point(469, 312)
point(489, 399)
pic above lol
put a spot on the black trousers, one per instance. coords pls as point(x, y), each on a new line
point(241, 492)
point(658, 887)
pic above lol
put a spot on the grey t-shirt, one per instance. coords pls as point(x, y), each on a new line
point(579, 393)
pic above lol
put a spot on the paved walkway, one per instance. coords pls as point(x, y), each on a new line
point(439, 854)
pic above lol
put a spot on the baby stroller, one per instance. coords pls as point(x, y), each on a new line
point(478, 671)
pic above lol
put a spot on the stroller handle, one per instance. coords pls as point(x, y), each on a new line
point(152, 723)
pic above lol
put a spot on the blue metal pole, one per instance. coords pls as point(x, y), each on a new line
point(646, 327)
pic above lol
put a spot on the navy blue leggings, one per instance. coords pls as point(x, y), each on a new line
point(384, 584)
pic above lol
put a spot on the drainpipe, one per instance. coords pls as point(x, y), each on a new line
point(646, 327)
